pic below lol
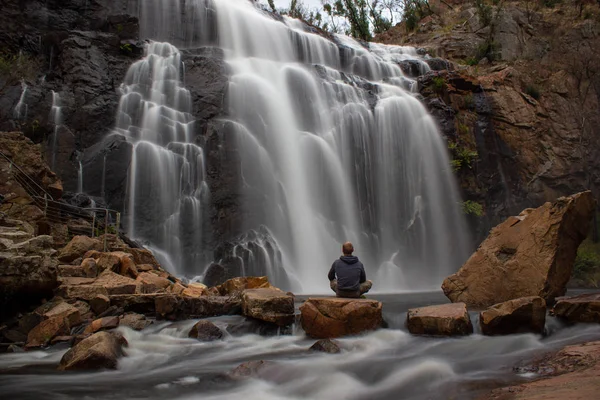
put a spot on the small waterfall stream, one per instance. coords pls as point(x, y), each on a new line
point(55, 118)
point(20, 112)
point(167, 189)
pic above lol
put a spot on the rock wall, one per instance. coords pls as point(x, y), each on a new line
point(522, 92)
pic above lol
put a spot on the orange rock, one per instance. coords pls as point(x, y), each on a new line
point(43, 333)
point(236, 286)
point(102, 324)
point(151, 283)
point(331, 317)
point(528, 255)
point(269, 305)
point(439, 320)
point(526, 314)
point(77, 247)
point(194, 290)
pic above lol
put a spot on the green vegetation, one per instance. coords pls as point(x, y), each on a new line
point(587, 263)
point(414, 11)
point(461, 157)
point(438, 84)
point(469, 102)
point(532, 91)
point(470, 207)
point(126, 48)
point(550, 3)
point(484, 12)
point(14, 67)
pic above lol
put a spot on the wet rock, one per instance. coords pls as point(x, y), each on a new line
point(99, 351)
point(151, 283)
point(14, 349)
point(269, 305)
point(438, 64)
point(439, 320)
point(326, 346)
point(251, 369)
point(324, 317)
point(215, 275)
point(236, 286)
point(526, 314)
point(212, 306)
point(135, 321)
point(99, 303)
point(582, 308)
point(61, 339)
point(77, 247)
point(42, 334)
point(102, 324)
point(528, 255)
point(205, 331)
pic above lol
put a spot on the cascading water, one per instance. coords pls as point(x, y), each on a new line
point(333, 147)
point(20, 112)
point(56, 119)
point(167, 189)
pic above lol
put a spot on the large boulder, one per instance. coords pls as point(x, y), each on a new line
point(528, 255)
point(330, 317)
point(99, 351)
point(440, 320)
point(269, 305)
point(78, 246)
point(582, 308)
point(152, 283)
point(526, 314)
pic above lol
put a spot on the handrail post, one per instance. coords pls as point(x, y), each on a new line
point(105, 226)
point(118, 222)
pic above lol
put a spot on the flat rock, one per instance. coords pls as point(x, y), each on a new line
point(439, 320)
point(269, 305)
point(331, 317)
point(526, 314)
point(582, 308)
point(82, 292)
point(99, 351)
point(194, 290)
point(151, 283)
point(65, 310)
point(528, 255)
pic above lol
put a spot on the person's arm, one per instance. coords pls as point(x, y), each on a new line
point(363, 275)
point(331, 274)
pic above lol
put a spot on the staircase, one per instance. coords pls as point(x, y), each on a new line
point(93, 221)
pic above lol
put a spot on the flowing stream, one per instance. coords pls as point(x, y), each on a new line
point(334, 146)
point(162, 363)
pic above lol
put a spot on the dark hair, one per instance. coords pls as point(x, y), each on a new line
point(347, 248)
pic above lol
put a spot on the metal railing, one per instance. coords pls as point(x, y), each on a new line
point(92, 221)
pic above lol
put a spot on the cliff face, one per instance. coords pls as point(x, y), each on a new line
point(520, 106)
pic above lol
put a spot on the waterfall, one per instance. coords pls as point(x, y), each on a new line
point(56, 119)
point(167, 191)
point(334, 146)
point(20, 112)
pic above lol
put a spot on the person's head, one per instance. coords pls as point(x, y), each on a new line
point(347, 249)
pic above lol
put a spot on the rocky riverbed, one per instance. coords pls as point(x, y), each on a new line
point(162, 362)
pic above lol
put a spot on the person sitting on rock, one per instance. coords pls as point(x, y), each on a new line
point(347, 276)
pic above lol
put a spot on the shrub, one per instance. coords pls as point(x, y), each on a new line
point(461, 156)
point(587, 262)
point(484, 11)
point(438, 83)
point(472, 208)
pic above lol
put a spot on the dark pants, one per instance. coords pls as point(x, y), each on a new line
point(353, 294)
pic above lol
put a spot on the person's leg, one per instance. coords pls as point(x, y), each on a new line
point(365, 287)
point(333, 285)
